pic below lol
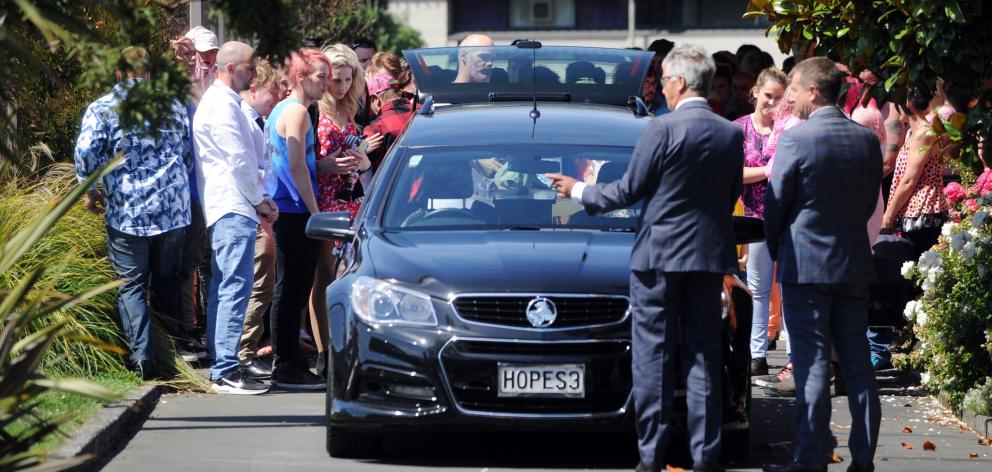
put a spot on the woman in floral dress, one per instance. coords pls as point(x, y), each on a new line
point(338, 164)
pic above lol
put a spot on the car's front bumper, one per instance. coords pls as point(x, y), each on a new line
point(413, 378)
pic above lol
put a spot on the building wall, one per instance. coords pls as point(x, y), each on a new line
point(429, 17)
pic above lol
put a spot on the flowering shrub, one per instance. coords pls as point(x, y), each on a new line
point(953, 317)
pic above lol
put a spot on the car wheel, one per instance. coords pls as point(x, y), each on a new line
point(347, 443)
point(736, 445)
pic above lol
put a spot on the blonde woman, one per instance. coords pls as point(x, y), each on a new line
point(338, 162)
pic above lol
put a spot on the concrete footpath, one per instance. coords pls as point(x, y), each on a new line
point(285, 431)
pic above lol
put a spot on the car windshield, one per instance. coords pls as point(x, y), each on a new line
point(502, 188)
point(563, 73)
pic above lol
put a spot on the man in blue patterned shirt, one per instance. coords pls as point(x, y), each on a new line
point(147, 205)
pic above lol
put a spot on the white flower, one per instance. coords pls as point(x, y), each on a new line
point(907, 269)
point(947, 229)
point(958, 240)
point(925, 378)
point(910, 311)
point(979, 219)
point(968, 251)
point(974, 234)
point(921, 317)
point(928, 260)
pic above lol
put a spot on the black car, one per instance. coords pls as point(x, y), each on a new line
point(469, 296)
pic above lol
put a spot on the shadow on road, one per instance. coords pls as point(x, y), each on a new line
point(544, 450)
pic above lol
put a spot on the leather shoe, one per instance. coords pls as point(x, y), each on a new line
point(861, 467)
point(257, 369)
point(708, 467)
point(794, 467)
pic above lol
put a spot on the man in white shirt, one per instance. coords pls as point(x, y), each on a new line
point(228, 151)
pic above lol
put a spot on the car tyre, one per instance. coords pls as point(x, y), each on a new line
point(351, 444)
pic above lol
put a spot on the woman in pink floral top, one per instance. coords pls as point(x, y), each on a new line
point(766, 94)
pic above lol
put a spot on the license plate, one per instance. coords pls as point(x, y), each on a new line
point(566, 380)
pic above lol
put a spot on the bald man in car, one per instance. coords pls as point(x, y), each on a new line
point(475, 60)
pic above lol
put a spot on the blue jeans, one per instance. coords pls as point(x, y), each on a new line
point(759, 282)
point(232, 239)
point(879, 339)
point(143, 262)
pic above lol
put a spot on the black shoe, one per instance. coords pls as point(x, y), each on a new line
point(291, 377)
point(759, 366)
point(642, 467)
point(236, 384)
point(861, 467)
point(321, 365)
point(143, 369)
point(840, 388)
point(191, 350)
point(794, 467)
point(257, 369)
point(708, 467)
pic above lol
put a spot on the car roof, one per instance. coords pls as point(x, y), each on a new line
point(511, 123)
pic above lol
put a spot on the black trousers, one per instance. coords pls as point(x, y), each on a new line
point(296, 259)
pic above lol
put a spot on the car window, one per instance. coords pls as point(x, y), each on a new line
point(504, 187)
point(471, 74)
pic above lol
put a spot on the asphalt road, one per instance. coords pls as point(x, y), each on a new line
point(285, 431)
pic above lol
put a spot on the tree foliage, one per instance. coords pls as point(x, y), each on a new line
point(344, 21)
point(905, 43)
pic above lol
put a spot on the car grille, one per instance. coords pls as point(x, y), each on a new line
point(573, 312)
point(471, 369)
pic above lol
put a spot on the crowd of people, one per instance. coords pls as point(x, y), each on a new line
point(206, 221)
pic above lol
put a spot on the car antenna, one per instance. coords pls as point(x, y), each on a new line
point(533, 46)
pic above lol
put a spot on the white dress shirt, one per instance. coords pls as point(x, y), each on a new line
point(580, 186)
point(264, 162)
point(227, 146)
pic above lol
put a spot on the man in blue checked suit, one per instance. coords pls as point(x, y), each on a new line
point(147, 206)
point(823, 188)
point(688, 169)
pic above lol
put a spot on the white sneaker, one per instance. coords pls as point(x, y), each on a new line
point(236, 384)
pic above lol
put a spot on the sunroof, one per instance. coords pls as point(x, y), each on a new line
point(577, 74)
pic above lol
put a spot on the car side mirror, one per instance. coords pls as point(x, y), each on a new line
point(748, 229)
point(332, 226)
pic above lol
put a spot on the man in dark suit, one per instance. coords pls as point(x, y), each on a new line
point(823, 188)
point(688, 167)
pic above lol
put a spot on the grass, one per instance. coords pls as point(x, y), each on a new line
point(74, 408)
point(74, 253)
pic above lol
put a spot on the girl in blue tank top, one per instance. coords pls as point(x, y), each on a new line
point(285, 193)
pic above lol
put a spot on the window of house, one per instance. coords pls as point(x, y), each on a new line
point(542, 14)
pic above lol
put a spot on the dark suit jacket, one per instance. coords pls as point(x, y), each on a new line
point(823, 188)
point(688, 167)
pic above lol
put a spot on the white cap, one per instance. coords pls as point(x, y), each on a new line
point(203, 39)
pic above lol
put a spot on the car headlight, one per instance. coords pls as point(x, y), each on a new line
point(376, 301)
